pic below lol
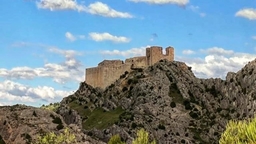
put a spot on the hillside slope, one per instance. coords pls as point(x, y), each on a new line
point(20, 124)
point(165, 99)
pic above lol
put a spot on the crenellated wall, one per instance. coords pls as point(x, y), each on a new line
point(108, 71)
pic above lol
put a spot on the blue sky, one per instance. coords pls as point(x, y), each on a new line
point(45, 45)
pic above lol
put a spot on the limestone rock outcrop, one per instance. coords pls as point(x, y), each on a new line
point(20, 124)
point(168, 101)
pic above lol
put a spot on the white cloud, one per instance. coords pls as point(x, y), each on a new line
point(12, 93)
point(70, 36)
point(188, 52)
point(66, 53)
point(108, 37)
point(102, 9)
point(254, 37)
point(126, 53)
point(217, 62)
point(217, 51)
point(60, 5)
point(97, 8)
point(196, 9)
point(248, 13)
point(70, 70)
point(178, 2)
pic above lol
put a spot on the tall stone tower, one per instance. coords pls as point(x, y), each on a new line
point(155, 53)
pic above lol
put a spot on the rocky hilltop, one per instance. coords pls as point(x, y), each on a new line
point(20, 124)
point(165, 99)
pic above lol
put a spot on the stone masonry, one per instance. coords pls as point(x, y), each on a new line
point(108, 71)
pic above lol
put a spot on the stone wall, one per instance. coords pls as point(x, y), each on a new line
point(94, 76)
point(108, 71)
point(110, 74)
point(137, 62)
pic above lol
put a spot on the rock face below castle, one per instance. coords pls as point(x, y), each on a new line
point(108, 71)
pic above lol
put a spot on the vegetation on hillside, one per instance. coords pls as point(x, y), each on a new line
point(115, 139)
point(51, 106)
point(239, 132)
point(142, 138)
point(97, 118)
point(66, 137)
point(1, 140)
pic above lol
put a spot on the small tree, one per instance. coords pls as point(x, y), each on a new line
point(239, 132)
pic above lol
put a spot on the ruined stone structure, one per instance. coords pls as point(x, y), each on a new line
point(110, 70)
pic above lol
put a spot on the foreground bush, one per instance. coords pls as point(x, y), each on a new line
point(142, 138)
point(63, 138)
point(239, 132)
point(115, 140)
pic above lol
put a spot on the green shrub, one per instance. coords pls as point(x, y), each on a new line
point(142, 138)
point(239, 132)
point(160, 126)
point(1, 140)
point(63, 138)
point(173, 104)
point(124, 89)
point(115, 140)
point(34, 114)
point(134, 125)
point(52, 107)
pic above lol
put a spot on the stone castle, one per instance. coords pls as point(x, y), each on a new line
point(108, 71)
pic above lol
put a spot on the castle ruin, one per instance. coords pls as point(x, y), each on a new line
point(108, 71)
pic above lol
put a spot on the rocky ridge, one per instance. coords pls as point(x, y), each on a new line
point(168, 101)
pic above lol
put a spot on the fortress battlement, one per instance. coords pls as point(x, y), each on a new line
point(108, 71)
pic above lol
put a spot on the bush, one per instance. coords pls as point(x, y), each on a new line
point(132, 81)
point(142, 138)
point(1, 140)
point(239, 132)
point(124, 89)
point(160, 126)
point(34, 114)
point(52, 107)
point(51, 138)
point(134, 125)
point(115, 140)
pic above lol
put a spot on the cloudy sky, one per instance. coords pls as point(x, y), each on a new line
point(47, 44)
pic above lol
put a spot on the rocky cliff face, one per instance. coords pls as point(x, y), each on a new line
point(20, 124)
point(168, 101)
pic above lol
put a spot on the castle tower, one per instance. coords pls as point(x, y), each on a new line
point(169, 53)
point(155, 53)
